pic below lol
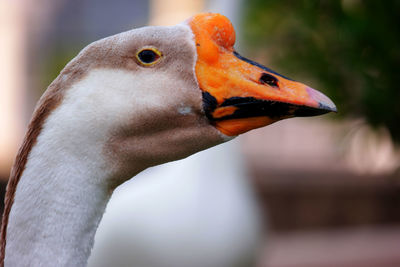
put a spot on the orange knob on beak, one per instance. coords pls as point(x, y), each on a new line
point(239, 94)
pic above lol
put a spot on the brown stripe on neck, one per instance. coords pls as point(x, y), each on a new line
point(47, 103)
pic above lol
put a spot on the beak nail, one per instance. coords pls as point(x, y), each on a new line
point(323, 100)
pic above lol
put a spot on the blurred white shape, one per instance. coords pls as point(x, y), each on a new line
point(199, 211)
point(371, 151)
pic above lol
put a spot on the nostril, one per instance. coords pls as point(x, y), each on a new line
point(269, 79)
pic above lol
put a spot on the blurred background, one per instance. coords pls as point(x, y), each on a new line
point(329, 187)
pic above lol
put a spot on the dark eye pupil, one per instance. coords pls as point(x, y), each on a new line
point(268, 79)
point(147, 56)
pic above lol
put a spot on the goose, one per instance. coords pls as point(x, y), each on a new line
point(123, 104)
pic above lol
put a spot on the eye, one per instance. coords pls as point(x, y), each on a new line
point(268, 79)
point(148, 56)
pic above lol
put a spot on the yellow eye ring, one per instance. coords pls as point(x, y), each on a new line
point(148, 56)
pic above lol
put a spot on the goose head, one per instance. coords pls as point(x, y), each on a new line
point(157, 94)
point(125, 103)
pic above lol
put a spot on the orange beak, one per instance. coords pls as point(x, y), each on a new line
point(239, 94)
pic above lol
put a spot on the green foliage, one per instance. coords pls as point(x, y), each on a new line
point(350, 48)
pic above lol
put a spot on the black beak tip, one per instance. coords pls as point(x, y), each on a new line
point(306, 111)
point(328, 108)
